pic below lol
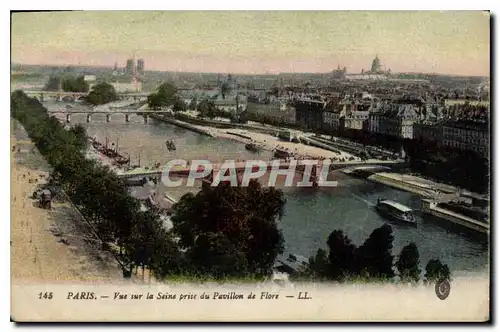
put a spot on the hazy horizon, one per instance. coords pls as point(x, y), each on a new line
point(253, 42)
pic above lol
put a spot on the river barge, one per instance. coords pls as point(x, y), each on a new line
point(252, 147)
point(111, 153)
point(396, 211)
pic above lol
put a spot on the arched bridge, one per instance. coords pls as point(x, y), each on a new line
point(73, 96)
point(108, 112)
point(241, 167)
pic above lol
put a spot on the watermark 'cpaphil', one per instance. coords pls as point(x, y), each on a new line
point(315, 173)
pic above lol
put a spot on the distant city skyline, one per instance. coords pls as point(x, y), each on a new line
point(251, 42)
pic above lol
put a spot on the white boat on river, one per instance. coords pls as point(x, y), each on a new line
point(396, 211)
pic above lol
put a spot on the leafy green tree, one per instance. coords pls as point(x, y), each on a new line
point(179, 105)
point(165, 96)
point(73, 84)
point(435, 270)
point(318, 267)
point(102, 93)
point(215, 255)
point(207, 109)
point(373, 257)
point(192, 104)
point(80, 134)
point(167, 91)
point(245, 216)
point(408, 263)
point(341, 256)
point(166, 258)
point(154, 101)
point(53, 84)
point(142, 238)
point(224, 89)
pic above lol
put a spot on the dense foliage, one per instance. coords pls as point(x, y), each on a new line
point(408, 263)
point(68, 83)
point(100, 195)
point(102, 93)
point(166, 96)
point(53, 84)
point(231, 231)
point(435, 270)
point(75, 84)
point(370, 261)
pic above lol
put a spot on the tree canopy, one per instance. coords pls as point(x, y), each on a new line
point(98, 192)
point(342, 255)
point(207, 109)
point(192, 104)
point(102, 93)
point(165, 95)
point(75, 84)
point(435, 270)
point(235, 224)
point(374, 258)
point(53, 84)
point(372, 261)
point(408, 263)
point(179, 105)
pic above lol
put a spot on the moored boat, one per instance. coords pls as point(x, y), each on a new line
point(252, 147)
point(396, 211)
point(280, 153)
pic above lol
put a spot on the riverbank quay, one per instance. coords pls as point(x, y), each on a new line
point(424, 188)
point(267, 141)
point(49, 245)
point(402, 182)
point(432, 194)
point(182, 124)
point(192, 118)
point(456, 219)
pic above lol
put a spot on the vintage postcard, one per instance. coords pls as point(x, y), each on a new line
point(250, 166)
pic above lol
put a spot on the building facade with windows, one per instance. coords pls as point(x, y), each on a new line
point(356, 115)
point(309, 113)
point(467, 135)
point(428, 131)
point(394, 120)
point(334, 119)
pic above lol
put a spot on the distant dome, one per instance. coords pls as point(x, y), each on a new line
point(376, 65)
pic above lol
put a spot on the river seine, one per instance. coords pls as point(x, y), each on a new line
point(310, 215)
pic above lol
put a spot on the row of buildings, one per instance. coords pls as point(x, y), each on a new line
point(461, 126)
point(226, 97)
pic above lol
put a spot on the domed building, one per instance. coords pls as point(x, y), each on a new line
point(375, 73)
point(377, 68)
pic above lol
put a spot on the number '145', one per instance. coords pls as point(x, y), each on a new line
point(45, 295)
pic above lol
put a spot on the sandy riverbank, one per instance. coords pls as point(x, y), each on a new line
point(269, 142)
point(50, 245)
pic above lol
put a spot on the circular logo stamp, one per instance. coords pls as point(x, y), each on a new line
point(442, 289)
